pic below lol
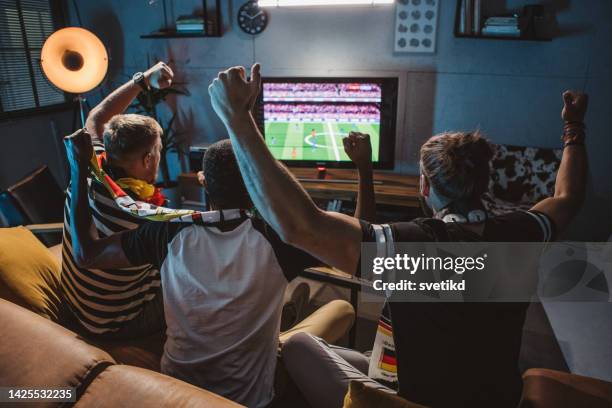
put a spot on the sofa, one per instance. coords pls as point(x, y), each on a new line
point(36, 351)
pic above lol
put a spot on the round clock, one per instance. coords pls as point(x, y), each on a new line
point(251, 18)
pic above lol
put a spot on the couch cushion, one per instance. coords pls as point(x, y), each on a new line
point(35, 352)
point(29, 274)
point(523, 174)
point(361, 396)
point(555, 389)
point(121, 386)
point(144, 352)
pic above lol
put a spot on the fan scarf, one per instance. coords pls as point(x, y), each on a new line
point(150, 211)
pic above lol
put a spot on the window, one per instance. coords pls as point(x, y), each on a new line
point(24, 27)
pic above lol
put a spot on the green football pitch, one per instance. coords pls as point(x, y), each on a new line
point(295, 140)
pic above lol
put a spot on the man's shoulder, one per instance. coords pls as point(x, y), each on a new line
point(521, 225)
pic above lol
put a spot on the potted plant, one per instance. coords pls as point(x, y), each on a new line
point(173, 139)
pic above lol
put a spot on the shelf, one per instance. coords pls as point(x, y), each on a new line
point(499, 37)
point(214, 24)
point(528, 34)
point(176, 34)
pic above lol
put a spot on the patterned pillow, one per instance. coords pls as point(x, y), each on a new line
point(523, 175)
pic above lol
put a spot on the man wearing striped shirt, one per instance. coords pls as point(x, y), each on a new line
point(118, 303)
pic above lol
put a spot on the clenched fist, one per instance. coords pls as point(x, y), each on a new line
point(79, 149)
point(574, 106)
point(159, 76)
point(232, 95)
point(358, 148)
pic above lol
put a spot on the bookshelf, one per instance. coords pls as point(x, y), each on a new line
point(528, 32)
point(213, 24)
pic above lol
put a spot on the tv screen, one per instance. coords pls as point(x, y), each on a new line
point(304, 119)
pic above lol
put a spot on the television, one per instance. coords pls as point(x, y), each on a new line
point(304, 119)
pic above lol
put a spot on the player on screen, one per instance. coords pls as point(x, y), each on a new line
point(313, 139)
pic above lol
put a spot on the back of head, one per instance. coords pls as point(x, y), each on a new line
point(128, 135)
point(457, 164)
point(224, 182)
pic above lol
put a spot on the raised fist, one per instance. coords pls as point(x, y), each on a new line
point(159, 76)
point(232, 94)
point(79, 149)
point(574, 106)
point(358, 148)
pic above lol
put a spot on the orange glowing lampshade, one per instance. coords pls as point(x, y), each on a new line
point(74, 60)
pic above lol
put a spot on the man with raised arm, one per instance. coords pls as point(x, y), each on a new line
point(449, 355)
point(118, 303)
point(223, 283)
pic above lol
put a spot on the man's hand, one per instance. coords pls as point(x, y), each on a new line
point(159, 76)
point(79, 149)
point(358, 148)
point(232, 95)
point(574, 106)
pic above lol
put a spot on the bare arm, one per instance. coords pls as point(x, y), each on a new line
point(358, 147)
point(333, 238)
point(159, 76)
point(570, 185)
point(89, 250)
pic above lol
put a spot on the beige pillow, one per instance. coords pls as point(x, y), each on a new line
point(30, 275)
point(362, 396)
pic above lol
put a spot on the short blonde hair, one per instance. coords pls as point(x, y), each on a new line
point(128, 134)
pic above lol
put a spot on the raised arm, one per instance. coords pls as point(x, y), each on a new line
point(158, 76)
point(359, 149)
point(331, 237)
point(89, 250)
point(571, 177)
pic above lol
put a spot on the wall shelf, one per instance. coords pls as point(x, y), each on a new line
point(527, 34)
point(177, 34)
point(212, 21)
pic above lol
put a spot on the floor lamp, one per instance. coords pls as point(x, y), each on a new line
point(74, 60)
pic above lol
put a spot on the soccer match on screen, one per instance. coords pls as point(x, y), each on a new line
point(307, 120)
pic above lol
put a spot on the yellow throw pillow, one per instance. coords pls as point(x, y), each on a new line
point(362, 396)
point(29, 274)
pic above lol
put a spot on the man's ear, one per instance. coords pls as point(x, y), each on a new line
point(424, 186)
point(201, 179)
point(147, 160)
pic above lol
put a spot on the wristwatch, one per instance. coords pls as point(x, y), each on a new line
point(139, 79)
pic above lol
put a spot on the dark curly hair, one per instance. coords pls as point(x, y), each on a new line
point(457, 164)
point(224, 182)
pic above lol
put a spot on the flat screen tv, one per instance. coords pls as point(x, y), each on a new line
point(304, 119)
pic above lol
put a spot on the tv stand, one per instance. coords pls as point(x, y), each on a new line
point(342, 184)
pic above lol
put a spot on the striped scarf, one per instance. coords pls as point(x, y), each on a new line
point(152, 212)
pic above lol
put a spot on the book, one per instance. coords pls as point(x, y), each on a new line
point(190, 27)
point(477, 17)
point(462, 17)
point(469, 17)
point(501, 31)
point(502, 21)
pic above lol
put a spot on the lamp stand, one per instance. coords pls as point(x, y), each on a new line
point(79, 112)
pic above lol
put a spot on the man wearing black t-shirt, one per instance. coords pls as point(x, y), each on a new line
point(449, 355)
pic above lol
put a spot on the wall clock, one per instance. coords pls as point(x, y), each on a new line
point(252, 19)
